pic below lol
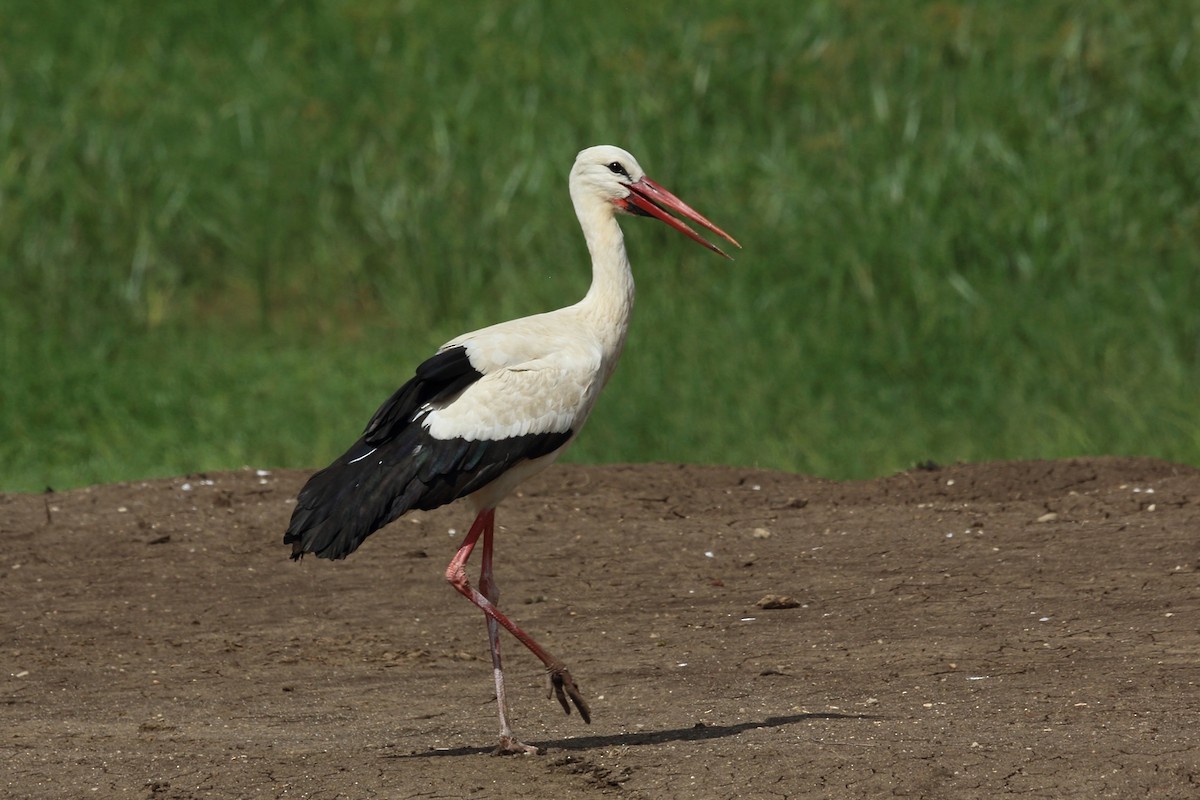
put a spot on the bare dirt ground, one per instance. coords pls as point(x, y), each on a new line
point(979, 631)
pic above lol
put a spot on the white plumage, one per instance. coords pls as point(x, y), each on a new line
point(549, 381)
point(493, 407)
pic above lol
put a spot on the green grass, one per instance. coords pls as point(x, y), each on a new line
point(229, 230)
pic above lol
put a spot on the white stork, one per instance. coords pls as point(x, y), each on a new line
point(494, 407)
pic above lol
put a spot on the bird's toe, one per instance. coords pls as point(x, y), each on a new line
point(511, 747)
point(565, 689)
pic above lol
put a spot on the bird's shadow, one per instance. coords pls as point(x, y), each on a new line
point(697, 732)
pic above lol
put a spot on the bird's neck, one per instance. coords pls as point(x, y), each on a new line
point(609, 300)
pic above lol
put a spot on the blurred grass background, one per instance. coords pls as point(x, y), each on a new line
point(229, 230)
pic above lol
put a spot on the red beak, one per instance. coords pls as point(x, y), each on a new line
point(649, 199)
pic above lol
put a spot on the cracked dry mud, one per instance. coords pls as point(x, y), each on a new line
point(999, 630)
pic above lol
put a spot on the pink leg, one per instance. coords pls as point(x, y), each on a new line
point(489, 589)
point(561, 680)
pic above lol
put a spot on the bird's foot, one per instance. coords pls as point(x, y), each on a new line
point(563, 686)
point(511, 747)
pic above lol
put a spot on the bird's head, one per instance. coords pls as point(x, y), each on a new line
point(613, 176)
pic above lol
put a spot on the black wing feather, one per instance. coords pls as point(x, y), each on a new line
point(438, 378)
point(396, 465)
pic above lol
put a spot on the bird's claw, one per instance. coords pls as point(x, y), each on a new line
point(564, 687)
point(511, 747)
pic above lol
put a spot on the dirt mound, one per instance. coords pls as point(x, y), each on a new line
point(1024, 628)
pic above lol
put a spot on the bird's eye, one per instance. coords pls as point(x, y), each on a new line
point(617, 169)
